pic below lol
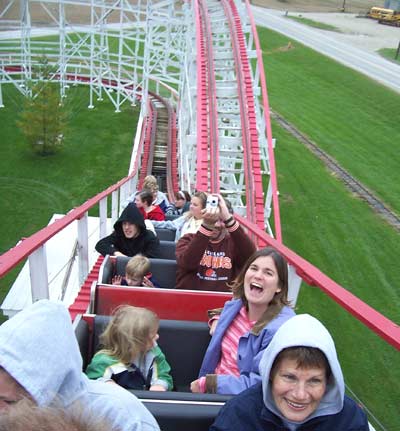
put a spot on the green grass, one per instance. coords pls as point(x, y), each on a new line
point(97, 154)
point(390, 54)
point(338, 233)
point(349, 116)
point(341, 229)
point(312, 23)
point(353, 118)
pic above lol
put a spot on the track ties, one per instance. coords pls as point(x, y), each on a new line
point(350, 182)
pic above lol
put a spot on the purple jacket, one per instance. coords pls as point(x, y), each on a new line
point(250, 350)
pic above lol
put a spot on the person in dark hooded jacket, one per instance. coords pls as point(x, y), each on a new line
point(130, 236)
point(301, 389)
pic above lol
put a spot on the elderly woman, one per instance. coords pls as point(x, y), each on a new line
point(246, 325)
point(302, 386)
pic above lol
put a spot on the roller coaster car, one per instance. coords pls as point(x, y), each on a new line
point(184, 337)
point(184, 344)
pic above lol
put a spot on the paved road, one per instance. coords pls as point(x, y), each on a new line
point(372, 65)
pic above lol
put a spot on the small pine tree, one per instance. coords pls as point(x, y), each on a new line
point(44, 118)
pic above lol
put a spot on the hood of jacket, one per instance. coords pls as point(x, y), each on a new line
point(131, 214)
point(305, 330)
point(38, 348)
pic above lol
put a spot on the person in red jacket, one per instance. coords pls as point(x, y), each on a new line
point(214, 256)
point(144, 201)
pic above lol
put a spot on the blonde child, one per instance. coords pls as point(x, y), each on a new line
point(130, 355)
point(137, 273)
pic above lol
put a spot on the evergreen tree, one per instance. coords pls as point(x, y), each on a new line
point(44, 118)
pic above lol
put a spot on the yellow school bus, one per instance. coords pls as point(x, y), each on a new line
point(385, 16)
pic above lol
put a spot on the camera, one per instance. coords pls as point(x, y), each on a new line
point(212, 202)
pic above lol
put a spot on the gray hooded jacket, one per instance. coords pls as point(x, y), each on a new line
point(255, 409)
point(305, 330)
point(38, 349)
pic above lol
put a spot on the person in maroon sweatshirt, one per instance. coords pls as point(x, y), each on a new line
point(214, 256)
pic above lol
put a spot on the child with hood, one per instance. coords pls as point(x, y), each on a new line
point(302, 386)
point(130, 236)
point(40, 361)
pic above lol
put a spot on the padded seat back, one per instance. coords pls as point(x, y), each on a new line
point(120, 265)
point(106, 270)
point(184, 344)
point(183, 417)
point(167, 250)
point(163, 270)
point(171, 216)
point(81, 329)
point(165, 234)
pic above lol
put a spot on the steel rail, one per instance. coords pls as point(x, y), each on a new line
point(202, 103)
point(377, 322)
point(148, 147)
point(213, 167)
point(267, 118)
point(171, 172)
point(207, 119)
point(251, 151)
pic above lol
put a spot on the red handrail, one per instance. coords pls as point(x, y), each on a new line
point(374, 320)
point(23, 249)
point(252, 170)
point(202, 103)
point(271, 157)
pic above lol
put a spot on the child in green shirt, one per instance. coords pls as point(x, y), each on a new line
point(130, 355)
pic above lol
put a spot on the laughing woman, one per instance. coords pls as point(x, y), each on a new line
point(246, 325)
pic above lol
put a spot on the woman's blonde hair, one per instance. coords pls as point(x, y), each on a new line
point(202, 196)
point(280, 298)
point(128, 332)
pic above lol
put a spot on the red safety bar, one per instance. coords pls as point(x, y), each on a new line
point(381, 325)
point(167, 303)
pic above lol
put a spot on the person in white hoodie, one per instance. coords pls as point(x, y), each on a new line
point(301, 389)
point(40, 360)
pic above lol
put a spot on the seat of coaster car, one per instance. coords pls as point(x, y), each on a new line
point(165, 234)
point(184, 344)
point(185, 414)
point(167, 250)
point(171, 216)
point(163, 270)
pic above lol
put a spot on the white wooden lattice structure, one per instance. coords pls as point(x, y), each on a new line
point(122, 50)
